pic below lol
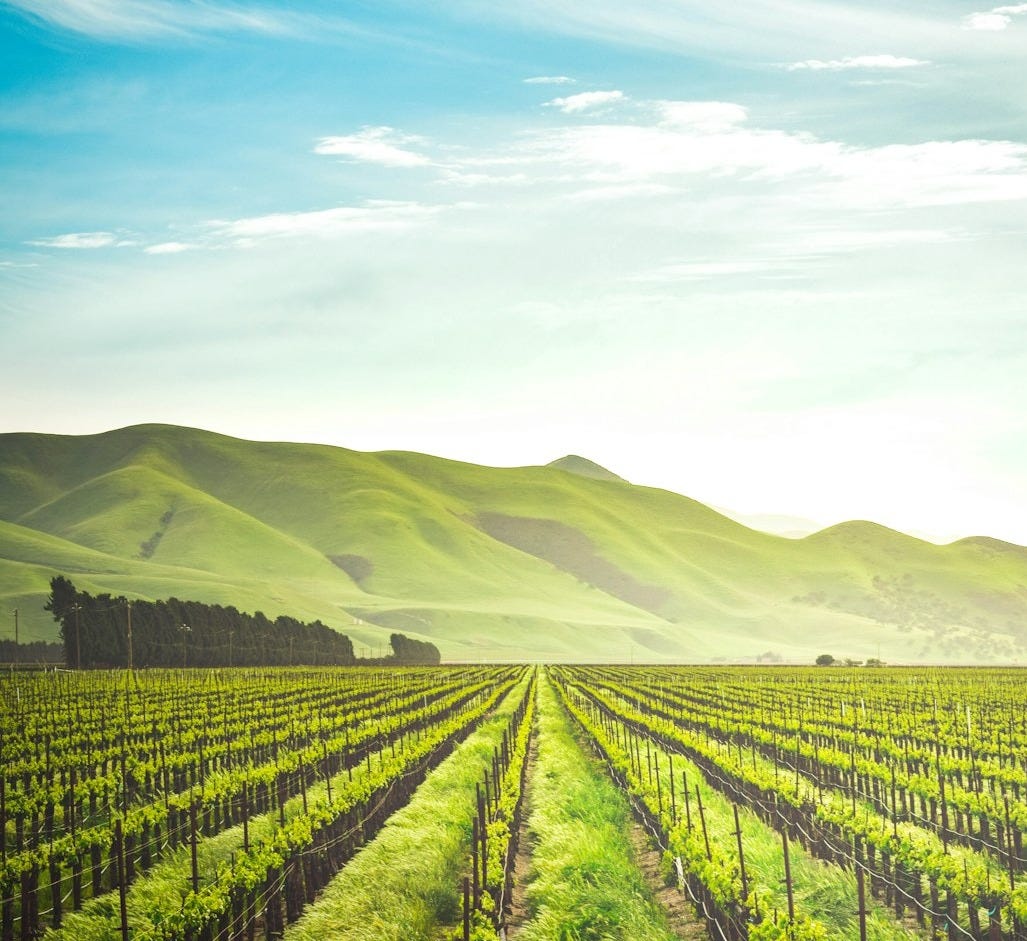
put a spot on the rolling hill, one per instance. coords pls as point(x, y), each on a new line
point(562, 562)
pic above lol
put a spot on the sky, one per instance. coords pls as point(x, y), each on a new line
point(768, 254)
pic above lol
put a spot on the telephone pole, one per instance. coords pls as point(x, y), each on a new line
point(128, 608)
point(78, 635)
point(15, 627)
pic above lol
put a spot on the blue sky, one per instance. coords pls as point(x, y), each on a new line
point(766, 254)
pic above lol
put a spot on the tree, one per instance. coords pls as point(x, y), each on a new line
point(406, 650)
point(825, 660)
point(173, 632)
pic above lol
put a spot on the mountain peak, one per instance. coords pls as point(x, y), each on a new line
point(583, 467)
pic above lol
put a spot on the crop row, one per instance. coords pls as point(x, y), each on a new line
point(48, 866)
point(970, 890)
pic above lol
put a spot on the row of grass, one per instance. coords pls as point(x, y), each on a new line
point(165, 886)
point(584, 882)
point(404, 885)
point(822, 891)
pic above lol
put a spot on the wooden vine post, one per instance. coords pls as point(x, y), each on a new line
point(119, 856)
point(861, 888)
point(702, 820)
point(467, 907)
point(788, 875)
point(741, 857)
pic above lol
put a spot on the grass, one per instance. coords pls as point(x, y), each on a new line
point(255, 524)
point(823, 891)
point(166, 884)
point(403, 886)
point(584, 884)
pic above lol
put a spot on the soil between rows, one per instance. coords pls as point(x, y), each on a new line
point(681, 919)
point(519, 911)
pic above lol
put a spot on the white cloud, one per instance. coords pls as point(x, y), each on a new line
point(701, 115)
point(714, 140)
point(988, 22)
point(78, 240)
point(708, 269)
point(574, 104)
point(381, 145)
point(168, 248)
point(996, 19)
point(374, 216)
point(550, 80)
point(621, 191)
point(791, 257)
point(133, 19)
point(856, 62)
point(770, 30)
point(933, 173)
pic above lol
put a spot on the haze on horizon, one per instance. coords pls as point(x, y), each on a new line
point(769, 256)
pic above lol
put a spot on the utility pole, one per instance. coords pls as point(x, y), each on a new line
point(128, 608)
point(78, 635)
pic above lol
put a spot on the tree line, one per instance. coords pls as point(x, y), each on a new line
point(107, 631)
point(34, 651)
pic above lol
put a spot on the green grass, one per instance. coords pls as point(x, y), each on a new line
point(584, 883)
point(167, 883)
point(823, 891)
point(403, 886)
point(257, 524)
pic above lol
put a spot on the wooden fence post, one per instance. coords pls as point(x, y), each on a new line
point(741, 858)
point(119, 854)
point(788, 876)
point(861, 887)
point(702, 820)
point(467, 909)
point(194, 862)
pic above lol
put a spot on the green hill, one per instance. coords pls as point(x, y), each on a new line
point(563, 562)
point(574, 464)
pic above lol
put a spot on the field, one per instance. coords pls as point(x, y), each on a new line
point(565, 802)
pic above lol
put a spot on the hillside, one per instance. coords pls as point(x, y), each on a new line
point(563, 562)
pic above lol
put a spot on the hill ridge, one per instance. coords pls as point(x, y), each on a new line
point(576, 464)
point(560, 561)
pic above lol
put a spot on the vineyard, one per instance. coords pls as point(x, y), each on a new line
point(483, 802)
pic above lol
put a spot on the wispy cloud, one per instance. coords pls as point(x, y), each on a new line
point(770, 30)
point(373, 216)
point(381, 145)
point(709, 269)
point(550, 80)
point(169, 248)
point(707, 116)
point(78, 240)
point(675, 143)
point(791, 257)
point(996, 19)
point(856, 62)
point(619, 191)
point(585, 101)
point(141, 19)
